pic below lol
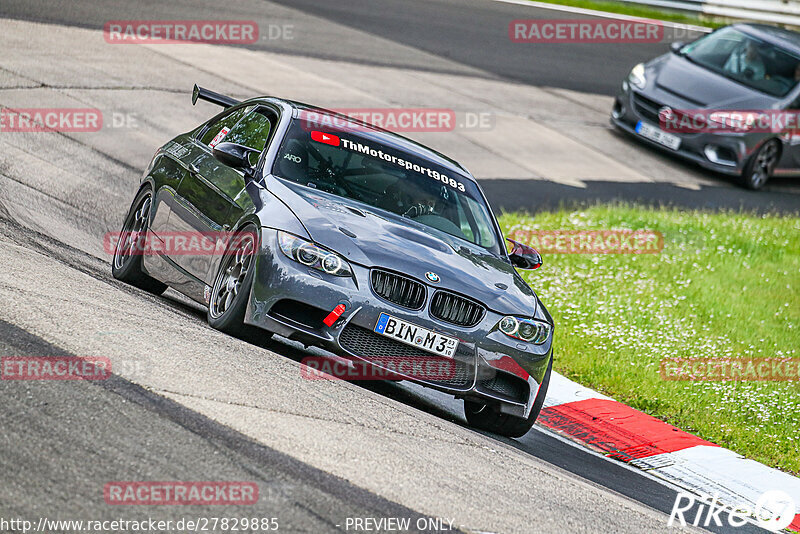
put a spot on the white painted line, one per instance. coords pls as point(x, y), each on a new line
point(625, 465)
point(717, 469)
point(733, 480)
point(563, 390)
point(603, 14)
point(713, 472)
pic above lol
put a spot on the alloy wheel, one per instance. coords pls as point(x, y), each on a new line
point(134, 232)
point(765, 162)
point(237, 263)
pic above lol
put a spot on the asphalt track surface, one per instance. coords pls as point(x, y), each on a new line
point(119, 430)
point(115, 421)
point(447, 30)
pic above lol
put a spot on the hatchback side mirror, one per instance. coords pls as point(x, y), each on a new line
point(234, 155)
point(675, 47)
point(524, 256)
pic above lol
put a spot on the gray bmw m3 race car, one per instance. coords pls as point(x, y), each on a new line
point(348, 237)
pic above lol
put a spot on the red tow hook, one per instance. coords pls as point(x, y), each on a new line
point(334, 315)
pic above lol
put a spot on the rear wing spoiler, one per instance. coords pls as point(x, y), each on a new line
point(211, 96)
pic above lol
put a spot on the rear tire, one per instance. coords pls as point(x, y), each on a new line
point(126, 265)
point(760, 166)
point(488, 417)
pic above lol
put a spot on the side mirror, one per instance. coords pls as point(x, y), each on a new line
point(675, 47)
point(524, 256)
point(234, 155)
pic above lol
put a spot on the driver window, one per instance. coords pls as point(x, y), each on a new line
point(252, 131)
point(221, 125)
point(747, 60)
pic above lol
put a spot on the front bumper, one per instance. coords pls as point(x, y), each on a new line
point(291, 300)
point(725, 152)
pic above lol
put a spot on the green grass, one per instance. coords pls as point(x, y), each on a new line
point(725, 284)
point(641, 11)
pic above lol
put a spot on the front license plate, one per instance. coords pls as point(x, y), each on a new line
point(416, 336)
point(654, 133)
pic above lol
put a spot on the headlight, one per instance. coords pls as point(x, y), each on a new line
point(310, 255)
point(529, 330)
point(636, 77)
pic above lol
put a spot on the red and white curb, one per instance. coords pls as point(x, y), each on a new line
point(695, 465)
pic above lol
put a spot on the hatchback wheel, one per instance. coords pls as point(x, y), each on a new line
point(761, 165)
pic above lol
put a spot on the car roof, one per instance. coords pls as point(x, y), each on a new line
point(382, 135)
point(787, 39)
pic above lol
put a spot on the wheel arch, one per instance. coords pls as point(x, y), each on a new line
point(778, 140)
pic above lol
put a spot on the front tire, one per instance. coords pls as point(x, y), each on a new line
point(126, 265)
point(488, 417)
point(231, 290)
point(760, 166)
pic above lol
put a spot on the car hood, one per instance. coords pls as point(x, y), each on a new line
point(701, 88)
point(398, 244)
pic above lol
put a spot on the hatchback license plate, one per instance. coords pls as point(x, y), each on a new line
point(654, 133)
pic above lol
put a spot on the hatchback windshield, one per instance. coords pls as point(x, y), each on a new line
point(748, 60)
point(356, 166)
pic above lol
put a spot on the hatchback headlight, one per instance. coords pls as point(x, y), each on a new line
point(310, 255)
point(529, 330)
point(636, 77)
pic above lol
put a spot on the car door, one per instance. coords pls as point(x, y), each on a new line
point(790, 158)
point(212, 198)
point(169, 169)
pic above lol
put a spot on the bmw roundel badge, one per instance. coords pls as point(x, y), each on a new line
point(433, 277)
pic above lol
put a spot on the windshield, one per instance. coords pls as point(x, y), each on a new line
point(748, 60)
point(356, 166)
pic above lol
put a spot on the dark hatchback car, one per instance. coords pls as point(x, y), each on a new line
point(738, 89)
point(350, 238)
